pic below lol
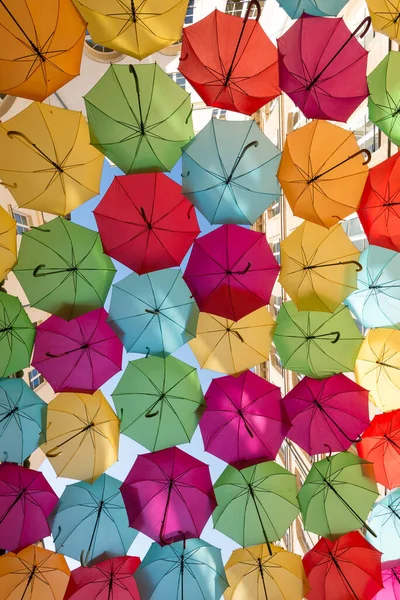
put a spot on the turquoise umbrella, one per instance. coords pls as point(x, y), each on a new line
point(384, 519)
point(154, 313)
point(317, 8)
point(229, 172)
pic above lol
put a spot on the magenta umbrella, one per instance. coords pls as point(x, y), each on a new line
point(326, 414)
point(26, 500)
point(231, 272)
point(78, 355)
point(244, 422)
point(168, 495)
point(391, 581)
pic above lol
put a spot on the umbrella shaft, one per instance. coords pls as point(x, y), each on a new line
point(32, 44)
point(9, 509)
point(353, 512)
point(133, 10)
point(96, 526)
point(8, 415)
point(6, 329)
point(182, 575)
point(28, 583)
point(163, 522)
point(383, 364)
point(322, 409)
point(260, 519)
point(229, 72)
point(262, 578)
point(347, 582)
point(337, 264)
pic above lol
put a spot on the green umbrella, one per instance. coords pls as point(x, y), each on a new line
point(317, 344)
point(139, 118)
point(255, 505)
point(17, 334)
point(337, 495)
point(384, 98)
point(62, 268)
point(159, 401)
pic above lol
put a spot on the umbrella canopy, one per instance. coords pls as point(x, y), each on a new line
point(323, 172)
point(159, 401)
point(22, 420)
point(82, 435)
point(232, 347)
point(8, 243)
point(63, 270)
point(256, 573)
point(217, 59)
point(135, 28)
point(26, 501)
point(17, 334)
point(317, 344)
point(385, 521)
point(43, 45)
point(191, 569)
point(145, 222)
point(139, 118)
point(168, 495)
point(384, 96)
point(385, 19)
point(337, 495)
point(317, 8)
point(34, 573)
point(318, 267)
point(46, 160)
point(326, 81)
point(391, 581)
point(346, 568)
point(154, 313)
point(231, 271)
point(256, 505)
point(326, 413)
point(90, 522)
point(229, 172)
point(244, 422)
point(78, 355)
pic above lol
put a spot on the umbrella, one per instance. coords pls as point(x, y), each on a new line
point(317, 8)
point(42, 47)
point(391, 581)
point(90, 521)
point(256, 573)
point(26, 501)
point(63, 270)
point(82, 435)
point(8, 243)
point(385, 18)
point(159, 401)
point(326, 81)
point(22, 420)
point(379, 210)
point(139, 118)
point(107, 580)
point(34, 573)
point(318, 267)
point(385, 521)
point(78, 355)
point(232, 347)
point(346, 568)
point(154, 313)
point(377, 367)
point(255, 505)
point(244, 422)
point(323, 172)
point(218, 59)
point(17, 334)
point(384, 96)
point(145, 222)
point(46, 160)
point(189, 569)
point(327, 413)
point(231, 271)
point(168, 495)
point(317, 344)
point(380, 444)
point(337, 495)
point(229, 172)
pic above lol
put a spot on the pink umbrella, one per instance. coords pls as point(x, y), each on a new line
point(168, 495)
point(391, 581)
point(231, 272)
point(26, 500)
point(78, 355)
point(244, 422)
point(326, 414)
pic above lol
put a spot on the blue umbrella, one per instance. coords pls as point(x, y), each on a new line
point(384, 519)
point(229, 172)
point(317, 8)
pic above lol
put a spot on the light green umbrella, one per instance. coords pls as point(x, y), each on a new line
point(17, 334)
point(384, 96)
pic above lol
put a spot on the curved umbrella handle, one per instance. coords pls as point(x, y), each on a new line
point(149, 415)
point(148, 352)
point(53, 453)
point(189, 115)
point(363, 151)
point(57, 535)
point(36, 271)
point(13, 133)
point(84, 558)
point(364, 23)
point(250, 5)
point(9, 185)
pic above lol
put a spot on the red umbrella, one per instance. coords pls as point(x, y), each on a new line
point(323, 68)
point(146, 223)
point(168, 495)
point(346, 569)
point(230, 61)
point(231, 272)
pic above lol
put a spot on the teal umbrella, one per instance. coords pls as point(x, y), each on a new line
point(317, 8)
point(17, 334)
point(154, 313)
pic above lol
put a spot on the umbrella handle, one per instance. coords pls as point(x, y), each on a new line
point(148, 352)
point(84, 558)
point(249, 7)
point(363, 151)
point(190, 211)
point(58, 534)
point(229, 330)
point(9, 185)
point(364, 23)
point(53, 453)
point(189, 115)
point(13, 133)
point(149, 415)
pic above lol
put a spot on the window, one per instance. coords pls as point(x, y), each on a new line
point(367, 135)
point(23, 221)
point(189, 13)
point(238, 9)
point(219, 113)
point(355, 232)
point(97, 47)
point(35, 379)
point(274, 209)
point(275, 304)
point(179, 79)
point(276, 250)
point(275, 359)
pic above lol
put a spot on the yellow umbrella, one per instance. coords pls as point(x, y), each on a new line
point(318, 267)
point(232, 347)
point(255, 573)
point(135, 27)
point(82, 435)
point(385, 17)
point(378, 367)
point(46, 160)
point(8, 243)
